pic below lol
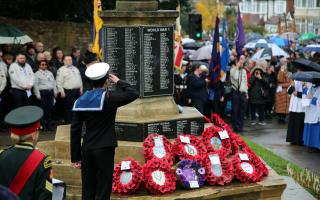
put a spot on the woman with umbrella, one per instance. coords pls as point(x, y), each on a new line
point(282, 98)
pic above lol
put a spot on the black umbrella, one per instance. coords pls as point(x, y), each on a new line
point(312, 77)
point(306, 65)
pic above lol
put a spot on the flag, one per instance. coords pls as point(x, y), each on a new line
point(97, 30)
point(225, 51)
point(240, 39)
point(214, 67)
point(178, 50)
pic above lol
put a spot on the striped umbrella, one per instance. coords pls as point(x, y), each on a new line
point(12, 35)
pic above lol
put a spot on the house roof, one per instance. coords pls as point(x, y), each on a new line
point(253, 19)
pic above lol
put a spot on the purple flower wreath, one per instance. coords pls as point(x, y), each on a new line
point(190, 174)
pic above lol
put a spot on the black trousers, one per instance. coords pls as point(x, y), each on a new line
point(71, 97)
point(46, 103)
point(257, 108)
point(239, 103)
point(20, 97)
point(97, 173)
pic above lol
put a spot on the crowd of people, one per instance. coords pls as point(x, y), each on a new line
point(30, 75)
point(253, 89)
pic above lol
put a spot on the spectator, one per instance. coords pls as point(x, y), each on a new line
point(89, 51)
point(238, 77)
point(31, 56)
point(282, 98)
point(22, 79)
point(89, 60)
point(47, 55)
point(69, 85)
point(45, 90)
point(197, 89)
point(39, 47)
point(8, 59)
point(57, 60)
point(258, 92)
point(76, 56)
point(271, 90)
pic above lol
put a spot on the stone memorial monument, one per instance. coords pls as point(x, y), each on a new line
point(138, 44)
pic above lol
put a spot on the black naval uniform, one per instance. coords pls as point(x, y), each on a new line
point(39, 185)
point(99, 142)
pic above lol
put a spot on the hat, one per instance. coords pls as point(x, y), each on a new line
point(97, 70)
point(24, 120)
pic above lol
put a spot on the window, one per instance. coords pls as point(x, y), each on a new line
point(317, 3)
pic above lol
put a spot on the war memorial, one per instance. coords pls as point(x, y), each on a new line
point(138, 45)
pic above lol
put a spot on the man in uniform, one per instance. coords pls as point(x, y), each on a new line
point(21, 77)
point(3, 84)
point(24, 169)
point(69, 85)
point(97, 110)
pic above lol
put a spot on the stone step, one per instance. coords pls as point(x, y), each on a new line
point(70, 196)
point(124, 149)
point(66, 173)
point(74, 189)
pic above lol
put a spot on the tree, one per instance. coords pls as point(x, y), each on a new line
point(209, 9)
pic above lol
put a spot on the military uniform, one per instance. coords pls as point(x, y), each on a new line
point(45, 89)
point(21, 77)
point(39, 185)
point(97, 109)
point(69, 82)
point(23, 169)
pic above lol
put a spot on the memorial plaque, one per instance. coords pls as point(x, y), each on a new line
point(129, 131)
point(157, 61)
point(122, 53)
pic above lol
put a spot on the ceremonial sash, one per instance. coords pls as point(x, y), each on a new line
point(26, 171)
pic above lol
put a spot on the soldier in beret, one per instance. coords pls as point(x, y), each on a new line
point(23, 169)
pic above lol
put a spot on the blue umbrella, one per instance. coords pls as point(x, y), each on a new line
point(279, 41)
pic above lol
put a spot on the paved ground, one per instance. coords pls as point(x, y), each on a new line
point(294, 191)
point(273, 137)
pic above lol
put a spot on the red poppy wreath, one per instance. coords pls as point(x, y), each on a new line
point(247, 167)
point(217, 140)
point(157, 146)
point(127, 177)
point(189, 147)
point(159, 177)
point(219, 169)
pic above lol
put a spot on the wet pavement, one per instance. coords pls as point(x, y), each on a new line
point(273, 137)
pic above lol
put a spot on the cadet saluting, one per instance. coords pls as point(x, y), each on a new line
point(97, 109)
point(23, 169)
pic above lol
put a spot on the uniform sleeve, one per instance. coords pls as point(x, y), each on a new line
point(16, 78)
point(126, 95)
point(76, 130)
point(60, 80)
point(43, 190)
point(36, 86)
point(3, 80)
point(31, 75)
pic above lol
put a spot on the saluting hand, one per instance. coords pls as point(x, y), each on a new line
point(113, 78)
point(76, 165)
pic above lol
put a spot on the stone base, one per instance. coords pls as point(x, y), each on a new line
point(190, 122)
point(270, 188)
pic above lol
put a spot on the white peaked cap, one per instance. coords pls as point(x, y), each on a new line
point(97, 70)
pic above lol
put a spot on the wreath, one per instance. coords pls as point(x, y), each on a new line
point(217, 140)
point(247, 167)
point(127, 177)
point(159, 177)
point(189, 147)
point(157, 146)
point(190, 174)
point(219, 170)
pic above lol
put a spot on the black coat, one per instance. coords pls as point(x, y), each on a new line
point(39, 185)
point(218, 88)
point(271, 87)
point(100, 125)
point(258, 92)
point(197, 88)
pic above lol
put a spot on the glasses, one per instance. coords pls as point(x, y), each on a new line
point(43, 64)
